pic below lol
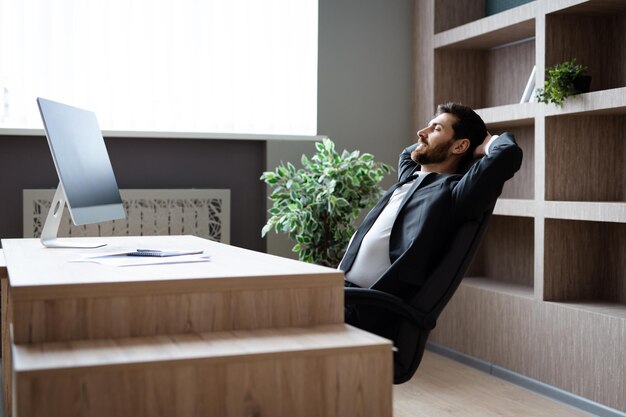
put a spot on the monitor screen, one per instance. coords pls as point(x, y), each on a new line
point(82, 163)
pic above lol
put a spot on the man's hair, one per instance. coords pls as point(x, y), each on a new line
point(468, 125)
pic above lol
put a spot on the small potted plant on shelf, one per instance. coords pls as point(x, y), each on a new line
point(563, 80)
point(317, 205)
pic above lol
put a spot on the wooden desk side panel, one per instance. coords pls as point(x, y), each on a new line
point(3, 265)
point(338, 385)
point(6, 345)
point(158, 314)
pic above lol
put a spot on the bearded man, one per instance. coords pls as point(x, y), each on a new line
point(453, 173)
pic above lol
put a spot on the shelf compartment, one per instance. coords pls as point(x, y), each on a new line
point(598, 103)
point(584, 210)
point(585, 157)
point(595, 34)
point(500, 287)
point(464, 21)
point(584, 261)
point(506, 254)
point(482, 78)
point(522, 185)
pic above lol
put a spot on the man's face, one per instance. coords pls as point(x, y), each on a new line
point(435, 140)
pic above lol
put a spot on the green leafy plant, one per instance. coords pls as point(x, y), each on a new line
point(559, 83)
point(317, 205)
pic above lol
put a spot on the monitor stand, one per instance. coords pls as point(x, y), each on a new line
point(53, 221)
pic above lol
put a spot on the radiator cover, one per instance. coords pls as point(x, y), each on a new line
point(199, 212)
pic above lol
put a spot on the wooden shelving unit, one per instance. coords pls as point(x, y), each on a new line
point(551, 271)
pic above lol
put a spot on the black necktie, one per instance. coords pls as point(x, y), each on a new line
point(371, 217)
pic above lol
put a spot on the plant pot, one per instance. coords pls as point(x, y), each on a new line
point(582, 83)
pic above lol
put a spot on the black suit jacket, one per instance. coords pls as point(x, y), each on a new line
point(435, 206)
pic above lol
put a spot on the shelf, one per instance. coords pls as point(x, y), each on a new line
point(514, 207)
point(597, 307)
point(501, 29)
point(583, 210)
point(584, 260)
point(469, 15)
point(514, 237)
point(585, 158)
point(501, 287)
point(598, 103)
point(585, 6)
point(511, 115)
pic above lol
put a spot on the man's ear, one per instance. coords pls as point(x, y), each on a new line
point(460, 146)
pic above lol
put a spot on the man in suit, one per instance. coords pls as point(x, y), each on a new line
point(403, 237)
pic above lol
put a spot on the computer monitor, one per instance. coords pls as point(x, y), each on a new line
point(87, 184)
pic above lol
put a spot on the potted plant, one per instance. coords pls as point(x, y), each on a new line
point(563, 80)
point(317, 205)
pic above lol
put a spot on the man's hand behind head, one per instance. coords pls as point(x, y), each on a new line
point(480, 150)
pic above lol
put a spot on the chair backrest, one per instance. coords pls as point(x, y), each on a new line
point(410, 339)
point(445, 279)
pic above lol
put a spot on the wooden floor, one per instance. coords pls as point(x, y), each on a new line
point(443, 387)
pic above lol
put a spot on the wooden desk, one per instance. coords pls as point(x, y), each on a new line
point(244, 334)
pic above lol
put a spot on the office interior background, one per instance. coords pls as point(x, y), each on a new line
point(549, 301)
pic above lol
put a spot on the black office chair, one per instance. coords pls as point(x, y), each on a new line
point(408, 324)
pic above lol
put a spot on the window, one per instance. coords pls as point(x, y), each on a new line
point(225, 66)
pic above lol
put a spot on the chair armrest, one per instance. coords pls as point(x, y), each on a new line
point(375, 298)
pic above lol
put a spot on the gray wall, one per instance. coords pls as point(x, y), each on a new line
point(25, 162)
point(364, 85)
point(365, 75)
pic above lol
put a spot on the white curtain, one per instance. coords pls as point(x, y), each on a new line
point(231, 66)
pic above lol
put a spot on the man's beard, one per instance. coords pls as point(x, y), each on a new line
point(433, 155)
